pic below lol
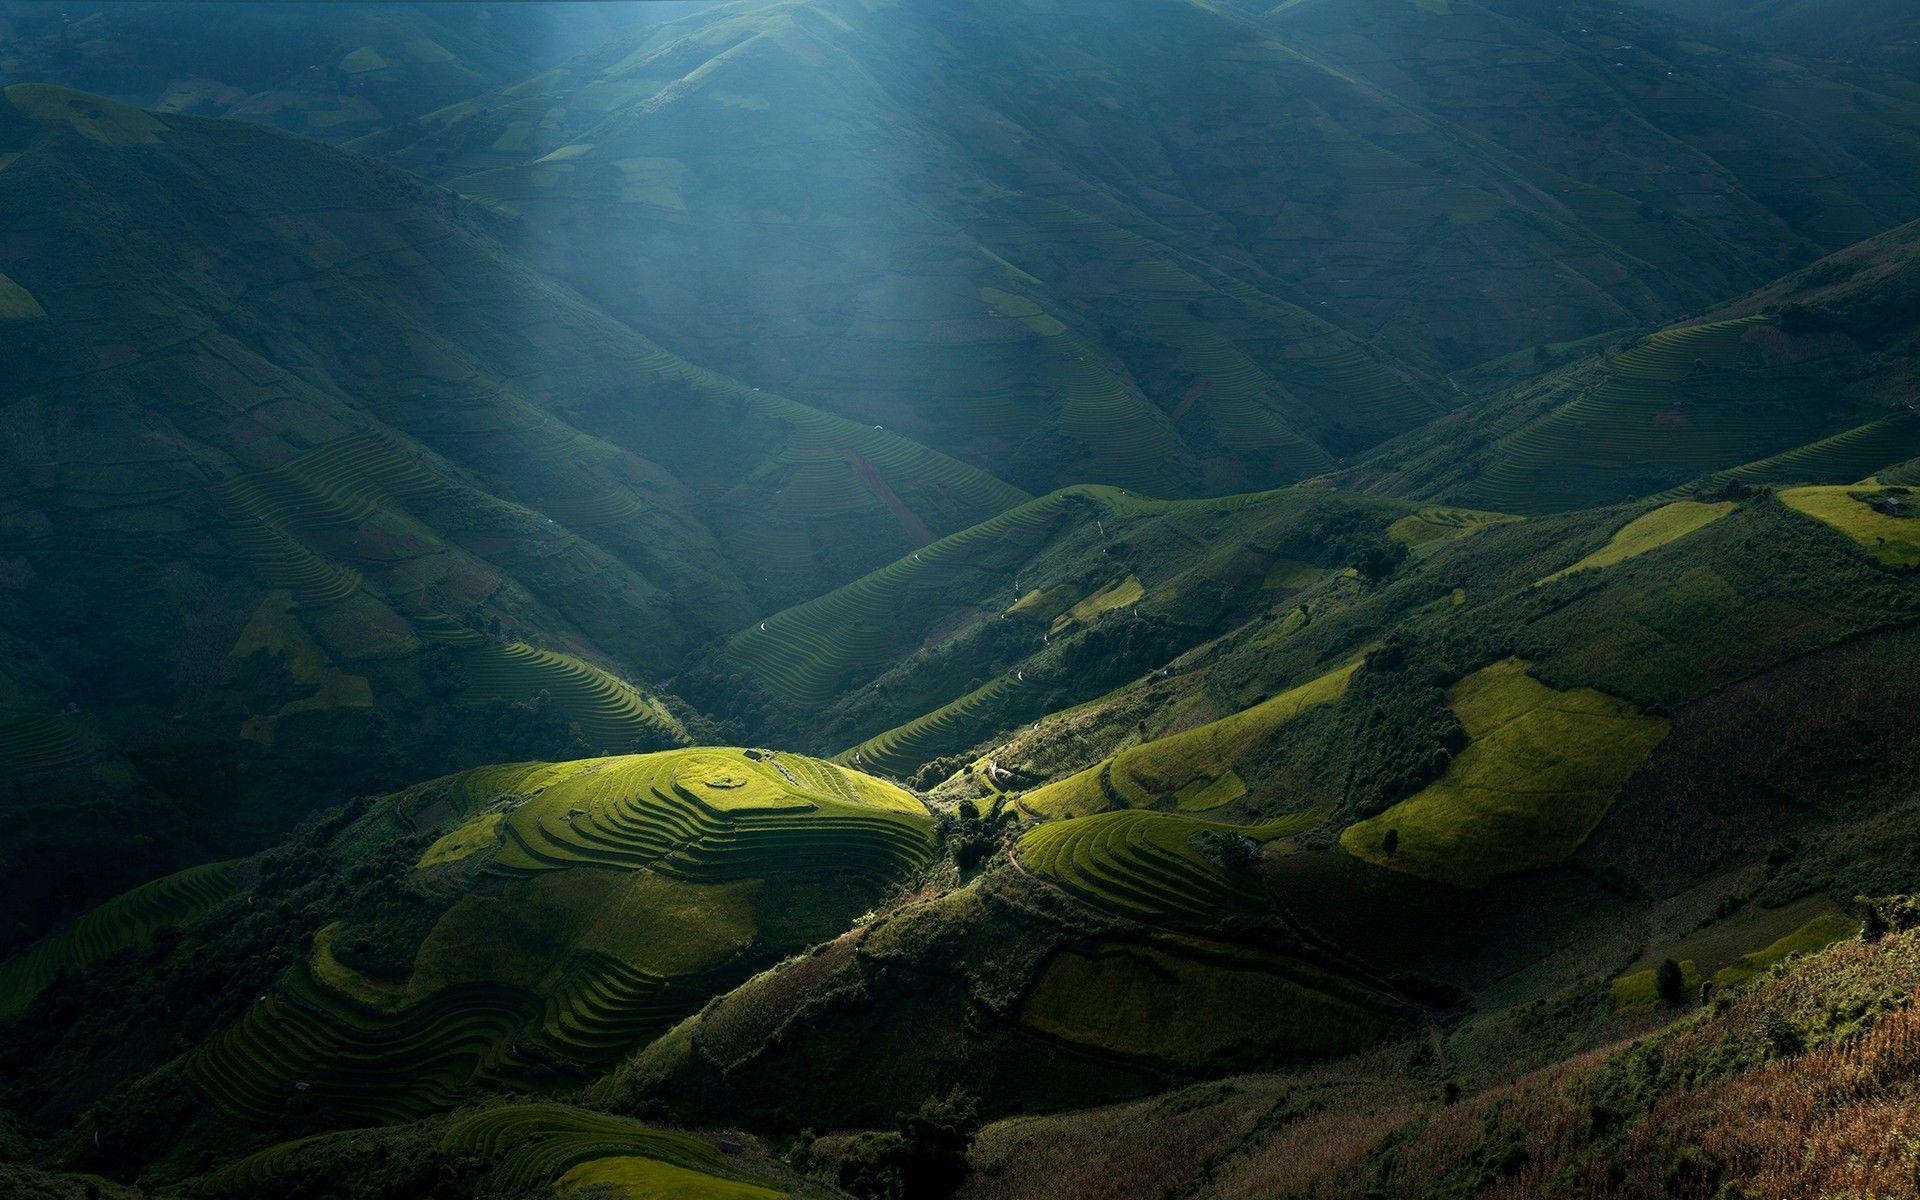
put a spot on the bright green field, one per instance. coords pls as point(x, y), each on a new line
point(1539, 773)
point(634, 1178)
point(1894, 540)
point(1193, 769)
point(1649, 531)
point(1814, 936)
point(1436, 524)
point(1638, 991)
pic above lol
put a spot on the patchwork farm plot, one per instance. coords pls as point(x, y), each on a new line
point(1649, 531)
point(1191, 771)
point(1539, 772)
point(1883, 521)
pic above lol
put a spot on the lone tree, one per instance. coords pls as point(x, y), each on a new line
point(1670, 981)
point(1390, 842)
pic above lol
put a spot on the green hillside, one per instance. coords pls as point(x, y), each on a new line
point(637, 886)
point(336, 499)
point(523, 1147)
point(1043, 607)
point(959, 600)
point(513, 927)
point(1803, 381)
point(1103, 286)
point(1054, 319)
point(332, 73)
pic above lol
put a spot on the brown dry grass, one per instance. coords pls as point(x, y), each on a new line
point(1730, 1110)
point(1117, 1153)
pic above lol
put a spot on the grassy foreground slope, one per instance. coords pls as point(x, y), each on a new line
point(1798, 1085)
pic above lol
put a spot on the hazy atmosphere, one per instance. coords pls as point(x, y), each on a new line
point(960, 600)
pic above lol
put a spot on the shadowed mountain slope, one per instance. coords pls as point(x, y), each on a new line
point(1221, 251)
point(305, 471)
point(332, 71)
point(1809, 379)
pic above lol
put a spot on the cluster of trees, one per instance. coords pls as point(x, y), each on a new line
point(925, 1158)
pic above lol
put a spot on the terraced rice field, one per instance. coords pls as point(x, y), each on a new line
point(640, 1178)
point(1847, 456)
point(1646, 410)
point(1649, 531)
point(1241, 401)
point(1192, 769)
point(1361, 386)
point(253, 1175)
point(1142, 865)
point(441, 628)
point(1435, 524)
point(611, 713)
point(536, 1144)
point(1906, 474)
point(952, 727)
point(336, 485)
point(603, 1006)
point(808, 654)
point(282, 562)
point(306, 1041)
point(709, 816)
point(640, 875)
point(37, 744)
point(331, 488)
point(1121, 593)
point(1128, 441)
point(1673, 354)
point(130, 919)
point(1539, 772)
